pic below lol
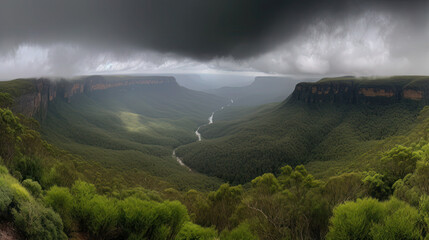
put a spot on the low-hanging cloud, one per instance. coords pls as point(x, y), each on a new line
point(51, 37)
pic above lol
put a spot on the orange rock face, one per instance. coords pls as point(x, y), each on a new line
point(313, 89)
point(413, 94)
point(356, 93)
point(372, 92)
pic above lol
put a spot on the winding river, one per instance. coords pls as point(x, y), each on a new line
point(179, 160)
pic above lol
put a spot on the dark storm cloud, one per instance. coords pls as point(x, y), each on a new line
point(200, 29)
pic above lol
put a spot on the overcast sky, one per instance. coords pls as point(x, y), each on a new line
point(320, 37)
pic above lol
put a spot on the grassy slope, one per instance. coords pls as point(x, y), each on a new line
point(130, 131)
point(330, 139)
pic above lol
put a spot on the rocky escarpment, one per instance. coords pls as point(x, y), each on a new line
point(35, 103)
point(363, 91)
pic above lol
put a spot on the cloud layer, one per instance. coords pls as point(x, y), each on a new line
point(51, 37)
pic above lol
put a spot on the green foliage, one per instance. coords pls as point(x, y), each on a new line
point(345, 187)
point(424, 212)
point(5, 197)
point(38, 222)
point(376, 185)
point(192, 231)
point(10, 129)
point(353, 220)
point(33, 187)
point(135, 217)
point(17, 87)
point(148, 219)
point(29, 168)
point(242, 232)
point(371, 219)
point(141, 193)
point(415, 185)
point(222, 204)
point(398, 162)
point(296, 209)
point(329, 139)
point(101, 216)
point(6, 101)
point(61, 200)
point(30, 217)
point(267, 182)
point(402, 222)
point(82, 193)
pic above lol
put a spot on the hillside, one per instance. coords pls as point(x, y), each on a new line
point(127, 125)
point(326, 125)
point(262, 90)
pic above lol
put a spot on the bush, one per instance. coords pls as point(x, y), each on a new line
point(242, 232)
point(371, 219)
point(38, 222)
point(61, 200)
point(136, 215)
point(376, 186)
point(102, 216)
point(353, 220)
point(6, 101)
point(82, 192)
point(400, 224)
point(32, 186)
point(192, 231)
point(5, 197)
point(151, 220)
point(30, 168)
point(3, 169)
point(398, 162)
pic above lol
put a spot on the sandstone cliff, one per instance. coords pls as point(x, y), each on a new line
point(35, 103)
point(351, 90)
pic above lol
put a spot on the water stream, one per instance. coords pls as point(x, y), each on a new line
point(199, 134)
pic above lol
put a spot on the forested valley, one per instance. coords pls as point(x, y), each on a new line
point(49, 193)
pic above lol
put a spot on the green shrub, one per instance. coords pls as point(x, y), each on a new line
point(82, 193)
point(376, 186)
point(192, 231)
point(398, 162)
point(3, 169)
point(30, 168)
point(371, 219)
point(353, 220)
point(38, 222)
point(402, 222)
point(6, 101)
point(137, 215)
point(150, 219)
point(32, 186)
point(102, 216)
point(242, 232)
point(61, 200)
point(6, 197)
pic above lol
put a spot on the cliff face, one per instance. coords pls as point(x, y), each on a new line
point(362, 91)
point(35, 103)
